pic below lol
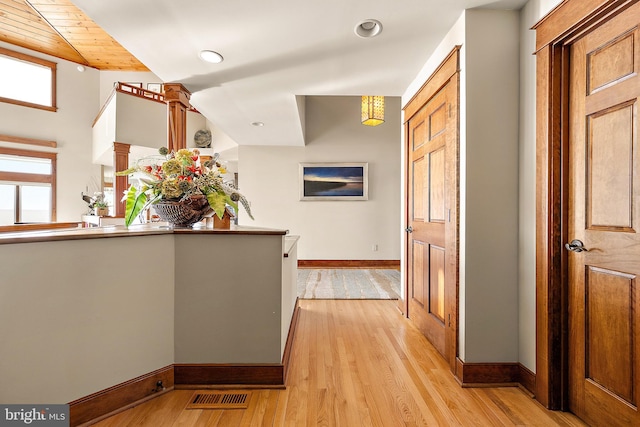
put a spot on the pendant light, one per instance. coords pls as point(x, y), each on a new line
point(372, 110)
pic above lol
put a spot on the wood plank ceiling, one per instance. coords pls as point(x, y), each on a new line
point(60, 29)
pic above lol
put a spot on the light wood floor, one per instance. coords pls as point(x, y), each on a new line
point(358, 363)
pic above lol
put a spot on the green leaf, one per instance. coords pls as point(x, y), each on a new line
point(231, 203)
point(135, 203)
point(217, 202)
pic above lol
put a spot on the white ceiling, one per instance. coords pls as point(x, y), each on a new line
point(278, 51)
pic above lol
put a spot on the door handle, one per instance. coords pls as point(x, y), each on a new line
point(409, 229)
point(576, 246)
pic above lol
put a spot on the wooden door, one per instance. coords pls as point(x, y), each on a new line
point(432, 147)
point(604, 217)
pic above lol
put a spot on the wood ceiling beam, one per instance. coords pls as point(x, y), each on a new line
point(59, 28)
point(54, 29)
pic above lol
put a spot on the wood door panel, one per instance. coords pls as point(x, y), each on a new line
point(418, 191)
point(432, 195)
point(609, 169)
point(613, 250)
point(420, 260)
point(606, 415)
point(436, 185)
point(427, 302)
point(618, 94)
point(603, 212)
point(437, 120)
point(436, 282)
point(419, 133)
point(434, 230)
point(609, 332)
point(430, 326)
point(610, 63)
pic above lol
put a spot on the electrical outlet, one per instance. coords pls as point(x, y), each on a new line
point(374, 248)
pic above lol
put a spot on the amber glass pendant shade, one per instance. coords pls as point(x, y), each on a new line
point(372, 110)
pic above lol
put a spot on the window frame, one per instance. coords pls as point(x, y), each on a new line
point(37, 61)
point(19, 178)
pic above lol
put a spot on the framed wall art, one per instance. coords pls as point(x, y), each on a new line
point(334, 181)
point(154, 87)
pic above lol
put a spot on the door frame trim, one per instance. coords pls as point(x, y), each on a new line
point(554, 33)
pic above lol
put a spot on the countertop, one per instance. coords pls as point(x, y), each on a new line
point(121, 231)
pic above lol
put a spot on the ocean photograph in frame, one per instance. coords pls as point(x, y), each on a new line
point(334, 181)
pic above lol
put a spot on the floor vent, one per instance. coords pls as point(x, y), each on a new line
point(219, 400)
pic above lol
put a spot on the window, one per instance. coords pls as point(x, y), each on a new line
point(27, 186)
point(27, 80)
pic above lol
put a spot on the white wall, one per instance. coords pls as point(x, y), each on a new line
point(226, 147)
point(533, 11)
point(72, 327)
point(104, 133)
point(70, 127)
point(341, 230)
point(195, 122)
point(231, 310)
point(491, 199)
point(220, 141)
point(141, 121)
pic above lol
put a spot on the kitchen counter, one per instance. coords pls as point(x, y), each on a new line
point(109, 231)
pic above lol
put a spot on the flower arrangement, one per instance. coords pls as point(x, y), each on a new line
point(96, 202)
point(177, 177)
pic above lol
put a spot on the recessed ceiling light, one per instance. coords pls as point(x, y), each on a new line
point(211, 56)
point(368, 28)
point(257, 124)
